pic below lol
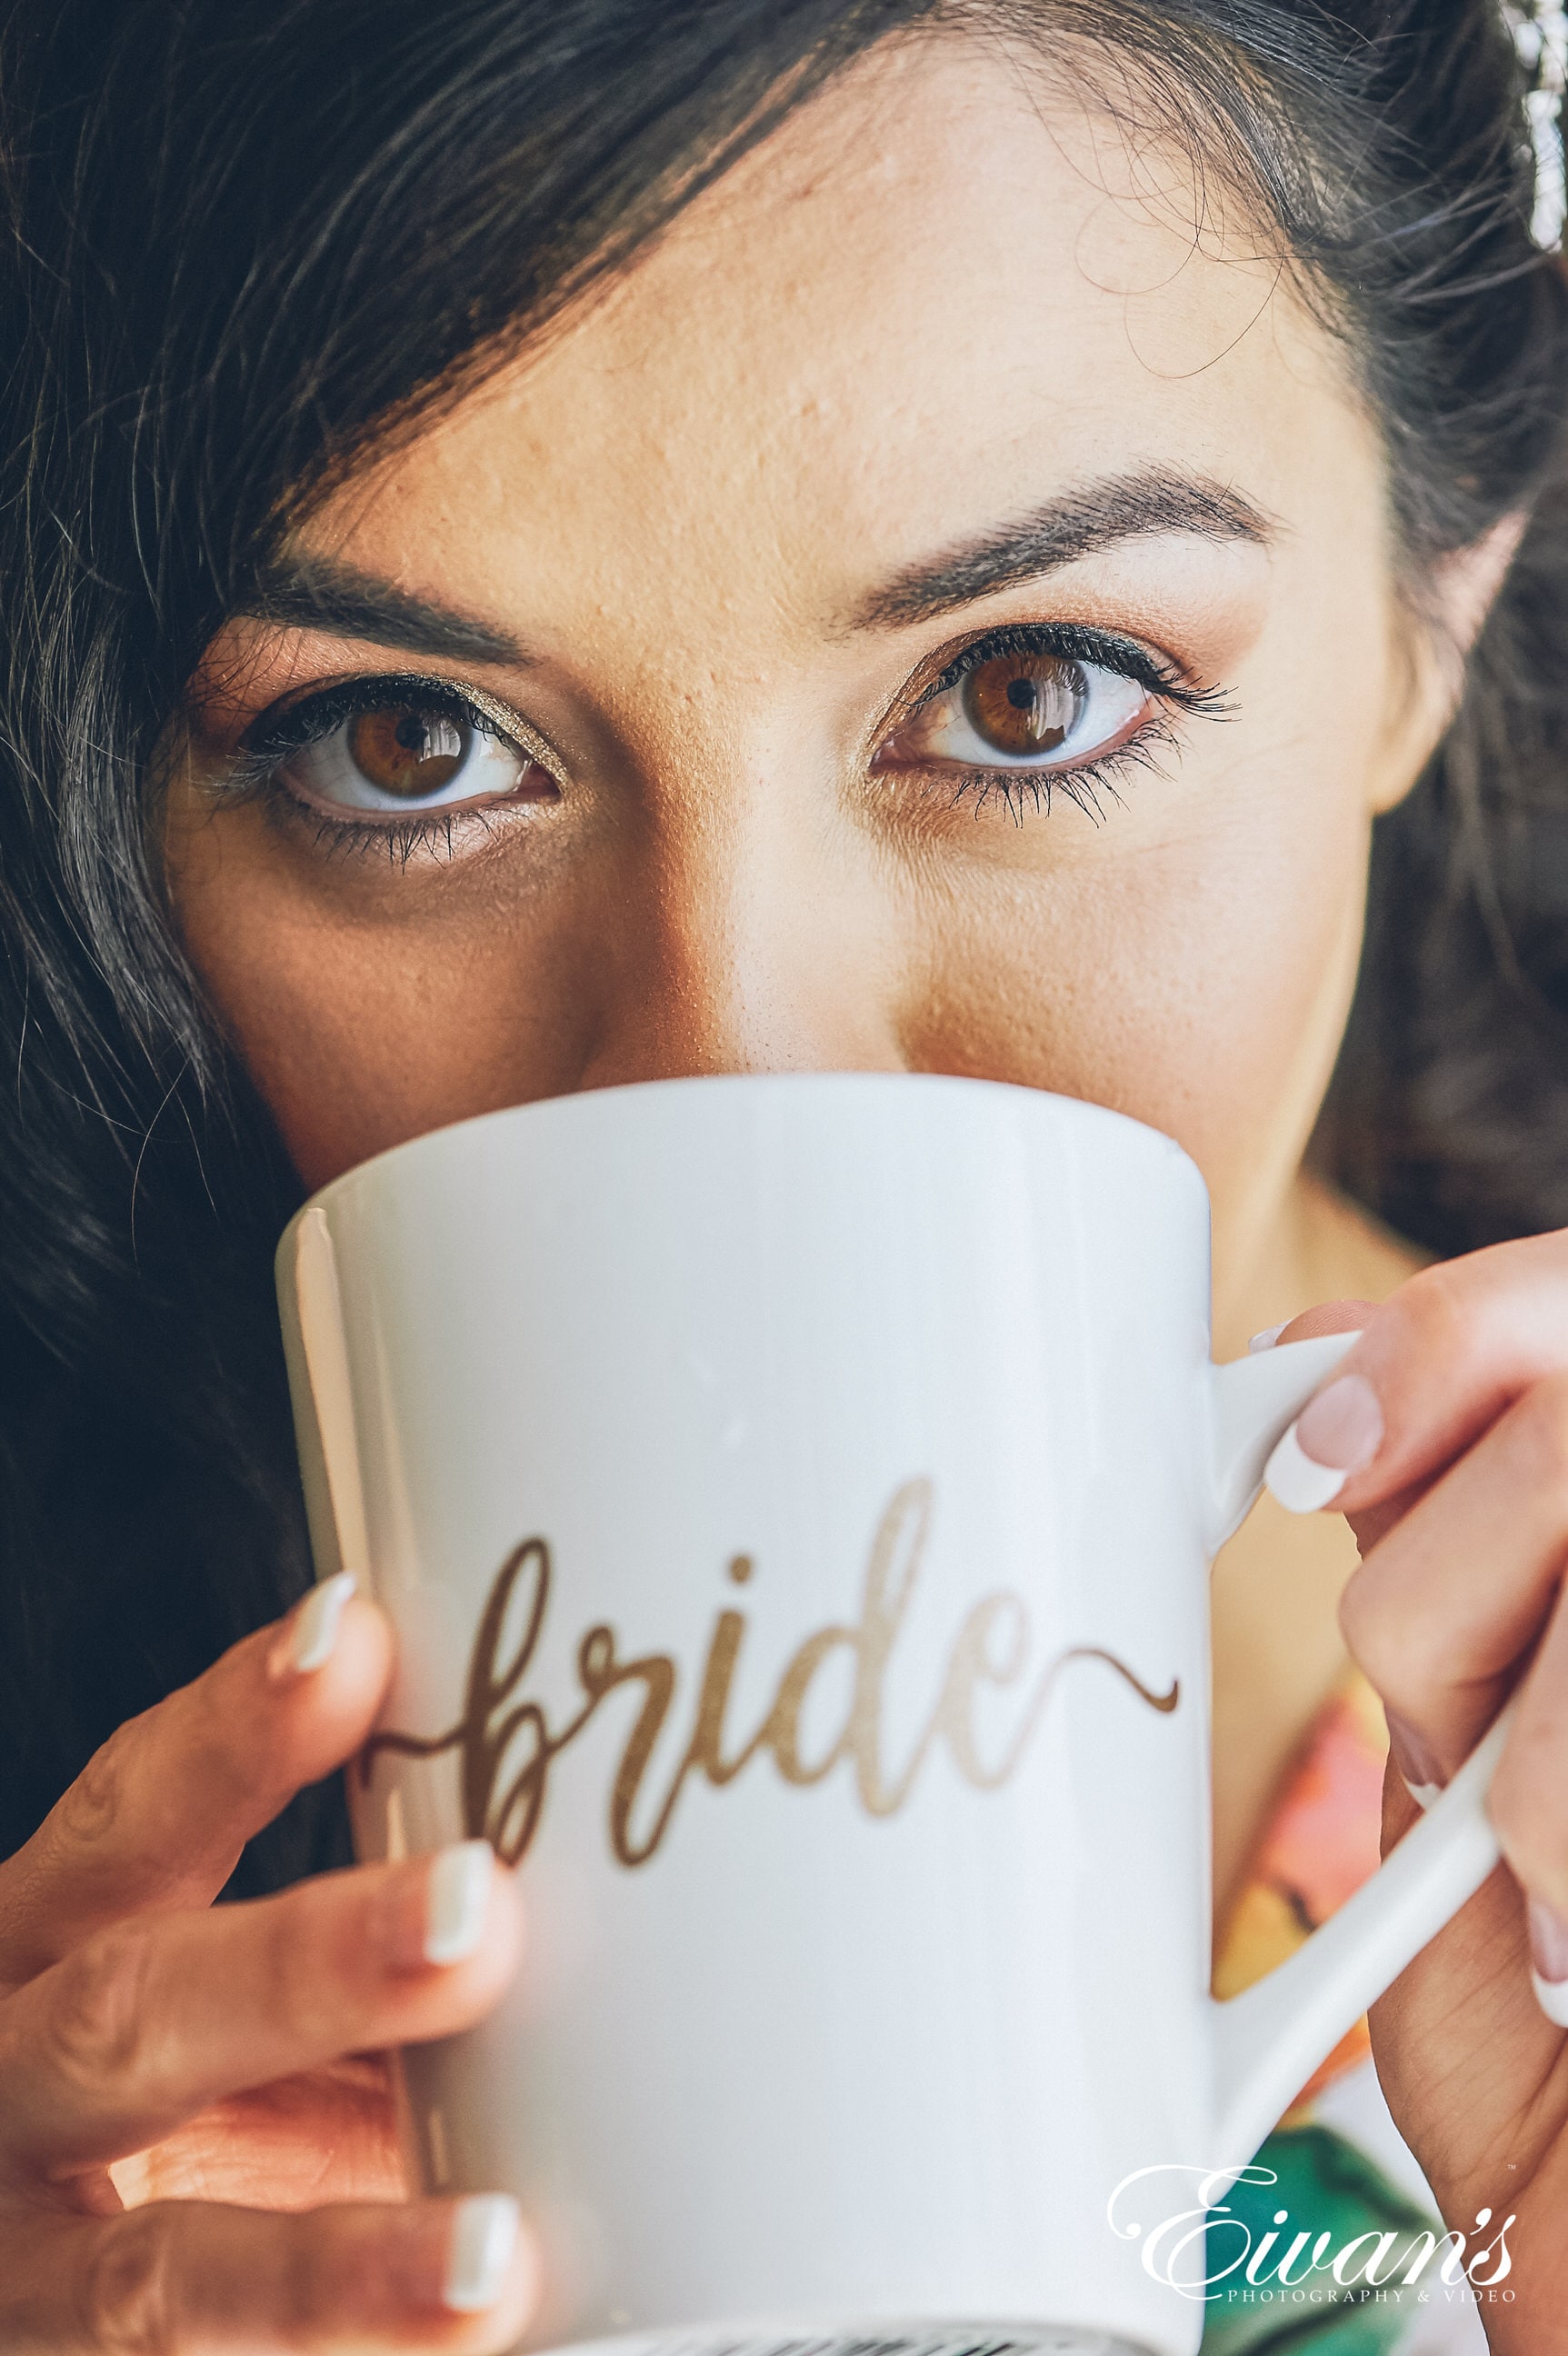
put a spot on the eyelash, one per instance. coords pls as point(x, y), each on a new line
point(254, 772)
point(1082, 783)
point(268, 744)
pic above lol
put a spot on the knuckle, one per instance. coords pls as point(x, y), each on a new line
point(1359, 1625)
point(98, 2023)
point(1435, 1315)
point(1399, 1653)
point(128, 2293)
point(90, 1812)
point(1541, 1423)
point(1365, 1625)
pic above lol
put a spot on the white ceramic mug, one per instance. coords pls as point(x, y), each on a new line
point(794, 1496)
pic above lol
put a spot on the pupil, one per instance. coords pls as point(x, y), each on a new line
point(1022, 693)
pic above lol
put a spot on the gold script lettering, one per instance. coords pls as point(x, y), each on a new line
point(506, 1746)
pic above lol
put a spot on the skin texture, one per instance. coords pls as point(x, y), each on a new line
point(940, 299)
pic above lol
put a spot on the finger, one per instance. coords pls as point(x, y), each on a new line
point(1334, 1317)
point(157, 1820)
point(321, 2135)
point(1528, 1807)
point(1434, 1368)
point(1445, 1608)
point(191, 2279)
point(151, 2021)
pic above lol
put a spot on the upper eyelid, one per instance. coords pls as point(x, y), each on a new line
point(508, 723)
point(949, 664)
point(1171, 675)
point(943, 669)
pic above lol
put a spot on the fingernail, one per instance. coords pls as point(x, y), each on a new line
point(457, 1902)
point(1548, 1958)
point(1267, 1338)
point(308, 1637)
point(1416, 1761)
point(1301, 1485)
point(1336, 1434)
point(484, 2238)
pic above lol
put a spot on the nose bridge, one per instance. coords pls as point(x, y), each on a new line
point(755, 935)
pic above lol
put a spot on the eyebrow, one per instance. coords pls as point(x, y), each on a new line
point(1079, 523)
point(314, 593)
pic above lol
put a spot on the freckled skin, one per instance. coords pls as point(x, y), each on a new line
point(932, 301)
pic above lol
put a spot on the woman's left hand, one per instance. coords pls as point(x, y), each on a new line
point(1449, 1420)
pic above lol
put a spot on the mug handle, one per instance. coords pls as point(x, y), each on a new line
point(1267, 2041)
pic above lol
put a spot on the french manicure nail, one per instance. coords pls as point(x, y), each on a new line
point(1266, 1339)
point(484, 2237)
point(308, 1638)
point(1549, 1959)
point(1336, 1434)
point(457, 1902)
point(1301, 1485)
point(1416, 1761)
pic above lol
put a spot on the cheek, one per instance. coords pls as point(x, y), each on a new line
point(369, 1009)
point(1198, 983)
point(1192, 964)
point(1188, 963)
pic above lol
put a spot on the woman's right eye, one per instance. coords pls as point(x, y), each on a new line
point(410, 757)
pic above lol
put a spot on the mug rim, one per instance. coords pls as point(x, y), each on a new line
point(581, 1102)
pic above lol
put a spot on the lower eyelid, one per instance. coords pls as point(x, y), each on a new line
point(1151, 715)
point(381, 817)
point(1020, 789)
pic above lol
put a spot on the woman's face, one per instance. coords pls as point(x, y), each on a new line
point(932, 613)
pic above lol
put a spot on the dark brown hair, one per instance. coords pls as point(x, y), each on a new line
point(240, 244)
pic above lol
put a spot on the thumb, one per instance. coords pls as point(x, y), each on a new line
point(1341, 1317)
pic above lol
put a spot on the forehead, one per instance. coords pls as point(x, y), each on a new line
point(950, 285)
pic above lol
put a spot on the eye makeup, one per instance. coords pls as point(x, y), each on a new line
point(1034, 709)
point(401, 762)
point(392, 760)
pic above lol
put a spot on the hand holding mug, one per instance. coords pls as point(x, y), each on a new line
point(1445, 1436)
point(137, 2018)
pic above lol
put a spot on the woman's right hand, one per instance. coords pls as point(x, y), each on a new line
point(129, 2005)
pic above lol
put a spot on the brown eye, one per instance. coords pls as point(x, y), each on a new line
point(406, 750)
point(1028, 709)
point(409, 754)
point(1024, 703)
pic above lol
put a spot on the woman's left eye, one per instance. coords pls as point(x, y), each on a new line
point(411, 756)
point(1021, 710)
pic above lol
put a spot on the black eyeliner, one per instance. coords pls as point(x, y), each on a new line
point(1072, 642)
point(312, 717)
